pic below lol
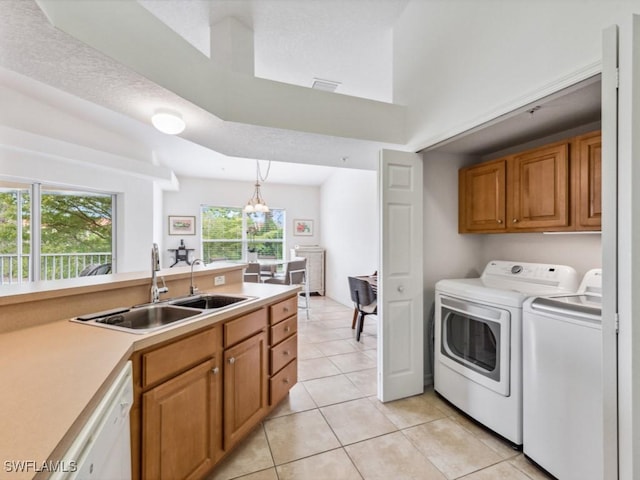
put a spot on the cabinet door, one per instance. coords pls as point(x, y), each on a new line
point(181, 427)
point(482, 197)
point(589, 198)
point(539, 184)
point(245, 387)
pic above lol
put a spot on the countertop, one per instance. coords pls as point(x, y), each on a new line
point(53, 376)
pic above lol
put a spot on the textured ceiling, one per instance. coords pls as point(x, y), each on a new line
point(122, 101)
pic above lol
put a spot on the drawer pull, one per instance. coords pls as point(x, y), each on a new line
point(499, 221)
point(285, 309)
point(515, 220)
point(285, 380)
point(215, 370)
point(232, 360)
point(285, 353)
point(287, 329)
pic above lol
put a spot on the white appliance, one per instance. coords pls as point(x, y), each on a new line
point(478, 339)
point(562, 347)
point(102, 449)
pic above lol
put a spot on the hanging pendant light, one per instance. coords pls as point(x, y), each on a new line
point(256, 203)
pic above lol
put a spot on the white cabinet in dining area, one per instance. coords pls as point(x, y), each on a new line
point(315, 265)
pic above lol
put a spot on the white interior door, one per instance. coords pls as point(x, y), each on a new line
point(400, 292)
point(609, 249)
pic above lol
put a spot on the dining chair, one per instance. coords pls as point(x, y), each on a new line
point(252, 273)
point(295, 274)
point(365, 300)
point(267, 270)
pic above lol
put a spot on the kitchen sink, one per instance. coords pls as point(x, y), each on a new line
point(209, 301)
point(141, 319)
point(154, 316)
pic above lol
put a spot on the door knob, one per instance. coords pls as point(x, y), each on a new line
point(515, 220)
point(499, 221)
point(232, 360)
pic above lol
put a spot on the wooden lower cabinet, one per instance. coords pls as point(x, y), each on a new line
point(198, 395)
point(245, 387)
point(181, 418)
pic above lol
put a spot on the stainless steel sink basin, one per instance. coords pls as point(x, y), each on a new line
point(142, 319)
point(209, 301)
point(154, 316)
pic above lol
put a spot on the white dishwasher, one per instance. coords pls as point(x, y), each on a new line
point(102, 449)
point(562, 382)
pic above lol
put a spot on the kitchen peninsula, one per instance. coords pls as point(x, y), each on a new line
point(54, 372)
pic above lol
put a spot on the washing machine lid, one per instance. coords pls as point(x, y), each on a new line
point(510, 283)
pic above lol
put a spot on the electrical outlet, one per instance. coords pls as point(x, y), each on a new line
point(219, 280)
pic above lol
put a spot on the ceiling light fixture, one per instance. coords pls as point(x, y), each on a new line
point(168, 122)
point(256, 203)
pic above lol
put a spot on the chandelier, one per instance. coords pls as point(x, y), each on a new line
point(256, 203)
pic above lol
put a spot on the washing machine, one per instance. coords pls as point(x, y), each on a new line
point(562, 382)
point(478, 339)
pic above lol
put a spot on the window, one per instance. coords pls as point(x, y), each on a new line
point(230, 234)
point(48, 233)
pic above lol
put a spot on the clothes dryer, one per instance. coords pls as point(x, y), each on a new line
point(478, 339)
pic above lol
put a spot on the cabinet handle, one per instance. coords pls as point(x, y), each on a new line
point(287, 329)
point(232, 360)
point(285, 380)
point(515, 220)
point(215, 370)
point(285, 309)
point(499, 221)
point(285, 353)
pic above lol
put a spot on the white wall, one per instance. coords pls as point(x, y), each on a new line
point(459, 64)
point(300, 202)
point(580, 251)
point(349, 214)
point(134, 226)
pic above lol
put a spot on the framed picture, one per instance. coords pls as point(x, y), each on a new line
point(182, 225)
point(303, 227)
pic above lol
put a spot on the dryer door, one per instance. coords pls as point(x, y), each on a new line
point(475, 342)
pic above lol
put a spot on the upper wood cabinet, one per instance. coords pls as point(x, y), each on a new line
point(538, 185)
point(589, 182)
point(556, 187)
point(482, 191)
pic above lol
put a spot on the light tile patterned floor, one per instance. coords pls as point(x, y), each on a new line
point(332, 426)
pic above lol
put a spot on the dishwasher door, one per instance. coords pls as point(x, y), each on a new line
point(102, 449)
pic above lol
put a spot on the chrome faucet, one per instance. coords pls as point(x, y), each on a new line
point(155, 267)
point(192, 288)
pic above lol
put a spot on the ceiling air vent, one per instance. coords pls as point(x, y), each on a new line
point(326, 85)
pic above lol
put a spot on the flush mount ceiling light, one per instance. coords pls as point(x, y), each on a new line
point(256, 203)
point(168, 122)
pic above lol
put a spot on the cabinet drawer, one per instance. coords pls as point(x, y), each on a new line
point(283, 309)
point(166, 361)
point(284, 329)
point(281, 383)
point(284, 353)
point(245, 326)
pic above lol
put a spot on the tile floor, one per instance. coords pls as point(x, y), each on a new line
point(333, 427)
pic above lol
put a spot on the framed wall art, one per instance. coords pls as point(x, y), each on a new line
point(303, 227)
point(182, 225)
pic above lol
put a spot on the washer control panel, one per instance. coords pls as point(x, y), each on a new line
point(561, 276)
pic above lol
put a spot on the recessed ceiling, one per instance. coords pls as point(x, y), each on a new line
point(115, 98)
